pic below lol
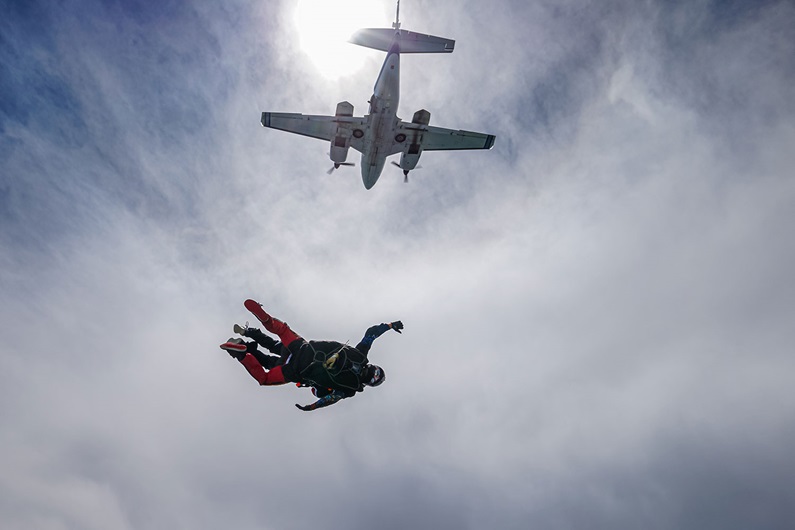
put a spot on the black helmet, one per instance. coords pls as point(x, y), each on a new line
point(374, 375)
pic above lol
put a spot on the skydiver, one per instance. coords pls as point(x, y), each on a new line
point(334, 370)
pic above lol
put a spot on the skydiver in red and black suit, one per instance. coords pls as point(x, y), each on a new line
point(334, 370)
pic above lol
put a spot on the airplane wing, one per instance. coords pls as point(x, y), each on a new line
point(320, 127)
point(441, 139)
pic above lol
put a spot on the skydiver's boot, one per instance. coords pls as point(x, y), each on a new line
point(236, 348)
point(262, 339)
point(274, 325)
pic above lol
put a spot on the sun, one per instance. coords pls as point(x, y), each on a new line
point(324, 27)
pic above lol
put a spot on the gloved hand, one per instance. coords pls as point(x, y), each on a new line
point(397, 325)
point(306, 408)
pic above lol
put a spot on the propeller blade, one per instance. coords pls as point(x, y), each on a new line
point(338, 164)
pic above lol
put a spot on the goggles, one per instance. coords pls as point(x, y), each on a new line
point(378, 376)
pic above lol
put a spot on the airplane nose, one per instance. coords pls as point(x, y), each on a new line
point(368, 180)
point(371, 172)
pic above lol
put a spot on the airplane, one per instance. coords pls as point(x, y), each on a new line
point(381, 133)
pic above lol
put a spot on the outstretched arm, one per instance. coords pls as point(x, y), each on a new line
point(374, 332)
point(325, 401)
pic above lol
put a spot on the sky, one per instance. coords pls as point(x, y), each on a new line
point(599, 312)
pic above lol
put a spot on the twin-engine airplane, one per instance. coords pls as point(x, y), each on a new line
point(381, 133)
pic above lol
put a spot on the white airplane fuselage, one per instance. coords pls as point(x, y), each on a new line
point(382, 120)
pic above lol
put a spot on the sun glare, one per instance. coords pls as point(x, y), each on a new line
point(325, 26)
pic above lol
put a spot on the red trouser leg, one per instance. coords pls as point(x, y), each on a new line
point(276, 326)
point(271, 377)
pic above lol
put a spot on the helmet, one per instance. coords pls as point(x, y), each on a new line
point(374, 375)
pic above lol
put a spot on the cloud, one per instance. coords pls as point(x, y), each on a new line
point(597, 311)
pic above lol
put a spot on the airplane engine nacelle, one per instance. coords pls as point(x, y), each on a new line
point(342, 141)
point(422, 117)
point(410, 157)
point(344, 109)
point(411, 154)
point(339, 149)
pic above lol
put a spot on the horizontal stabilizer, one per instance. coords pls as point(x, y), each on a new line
point(410, 42)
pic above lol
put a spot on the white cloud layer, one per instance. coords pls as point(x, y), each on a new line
point(599, 312)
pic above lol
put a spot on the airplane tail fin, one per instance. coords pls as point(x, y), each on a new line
point(410, 42)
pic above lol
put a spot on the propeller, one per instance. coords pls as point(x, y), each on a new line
point(405, 171)
point(337, 165)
